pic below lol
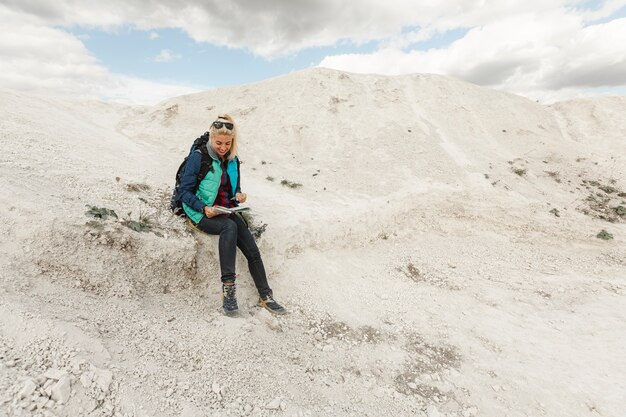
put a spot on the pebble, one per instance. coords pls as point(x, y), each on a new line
point(328, 348)
point(61, 390)
point(10, 363)
point(27, 390)
point(274, 404)
point(91, 405)
point(169, 392)
point(432, 411)
point(470, 412)
point(215, 387)
point(55, 374)
point(412, 385)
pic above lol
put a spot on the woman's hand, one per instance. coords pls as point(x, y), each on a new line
point(241, 197)
point(209, 212)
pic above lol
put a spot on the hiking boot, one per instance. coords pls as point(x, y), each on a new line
point(271, 305)
point(229, 299)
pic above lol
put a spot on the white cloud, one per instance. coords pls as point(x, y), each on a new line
point(44, 60)
point(523, 46)
point(166, 56)
point(153, 35)
point(277, 27)
point(544, 56)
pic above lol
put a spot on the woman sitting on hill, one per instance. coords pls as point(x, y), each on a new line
point(221, 187)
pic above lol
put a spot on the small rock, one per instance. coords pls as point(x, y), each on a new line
point(470, 412)
point(27, 390)
point(412, 385)
point(215, 387)
point(55, 374)
point(10, 363)
point(101, 377)
point(274, 404)
point(41, 402)
point(328, 348)
point(169, 392)
point(432, 411)
point(61, 390)
point(85, 380)
point(91, 405)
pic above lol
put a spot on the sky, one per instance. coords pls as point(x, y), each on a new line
point(145, 51)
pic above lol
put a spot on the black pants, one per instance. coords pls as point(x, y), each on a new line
point(234, 233)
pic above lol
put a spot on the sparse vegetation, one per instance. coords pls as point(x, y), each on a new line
point(413, 273)
point(519, 171)
point(601, 202)
point(94, 224)
point(100, 212)
point(137, 226)
point(604, 235)
point(136, 187)
point(554, 175)
point(290, 184)
point(608, 189)
point(555, 212)
point(269, 178)
point(144, 224)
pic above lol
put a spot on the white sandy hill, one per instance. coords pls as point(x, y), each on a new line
point(439, 256)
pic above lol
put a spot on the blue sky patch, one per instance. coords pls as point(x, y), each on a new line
point(202, 65)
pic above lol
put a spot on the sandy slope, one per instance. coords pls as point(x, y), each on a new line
point(422, 258)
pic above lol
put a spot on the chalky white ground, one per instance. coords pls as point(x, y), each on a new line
point(439, 257)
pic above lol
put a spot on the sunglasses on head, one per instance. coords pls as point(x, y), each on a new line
point(219, 125)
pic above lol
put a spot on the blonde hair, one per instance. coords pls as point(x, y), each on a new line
point(213, 131)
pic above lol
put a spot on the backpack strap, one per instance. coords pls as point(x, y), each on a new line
point(206, 166)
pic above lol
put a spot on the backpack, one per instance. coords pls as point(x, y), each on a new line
point(176, 204)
